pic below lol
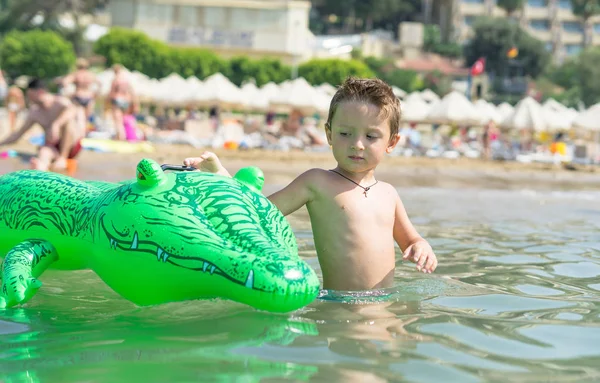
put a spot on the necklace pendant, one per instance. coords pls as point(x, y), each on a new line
point(365, 192)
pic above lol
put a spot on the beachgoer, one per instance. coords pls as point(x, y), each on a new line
point(87, 87)
point(56, 115)
point(489, 139)
point(3, 86)
point(355, 218)
point(121, 96)
point(15, 102)
point(214, 116)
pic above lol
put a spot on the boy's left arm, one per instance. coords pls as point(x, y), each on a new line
point(414, 247)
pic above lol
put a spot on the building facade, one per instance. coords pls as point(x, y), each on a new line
point(253, 28)
point(550, 21)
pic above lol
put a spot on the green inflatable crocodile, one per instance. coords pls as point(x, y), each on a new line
point(165, 236)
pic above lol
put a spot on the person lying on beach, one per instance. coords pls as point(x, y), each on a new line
point(355, 218)
point(56, 115)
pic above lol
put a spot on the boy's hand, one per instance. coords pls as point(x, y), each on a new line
point(422, 254)
point(207, 162)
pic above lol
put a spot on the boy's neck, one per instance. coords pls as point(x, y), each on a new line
point(367, 177)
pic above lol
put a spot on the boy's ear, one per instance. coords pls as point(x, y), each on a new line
point(328, 132)
point(393, 142)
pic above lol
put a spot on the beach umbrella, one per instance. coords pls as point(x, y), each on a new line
point(172, 90)
point(528, 114)
point(487, 112)
point(414, 109)
point(398, 92)
point(253, 98)
point(430, 96)
point(552, 104)
point(270, 90)
point(589, 119)
point(300, 95)
point(194, 82)
point(505, 110)
point(558, 116)
point(454, 108)
point(413, 96)
point(218, 90)
point(326, 88)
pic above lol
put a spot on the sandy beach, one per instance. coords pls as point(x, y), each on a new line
point(281, 167)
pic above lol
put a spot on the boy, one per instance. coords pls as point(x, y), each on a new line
point(56, 115)
point(355, 218)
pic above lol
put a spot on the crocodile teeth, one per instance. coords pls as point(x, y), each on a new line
point(134, 243)
point(250, 280)
point(205, 266)
point(212, 269)
point(162, 255)
point(113, 243)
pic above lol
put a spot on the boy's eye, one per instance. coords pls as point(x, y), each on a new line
point(371, 137)
point(343, 134)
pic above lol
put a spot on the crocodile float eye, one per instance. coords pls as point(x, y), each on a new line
point(149, 173)
point(251, 176)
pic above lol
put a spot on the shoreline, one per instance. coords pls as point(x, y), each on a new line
point(282, 167)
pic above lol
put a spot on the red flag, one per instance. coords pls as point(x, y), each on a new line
point(478, 67)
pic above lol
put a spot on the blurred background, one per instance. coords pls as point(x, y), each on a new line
point(507, 79)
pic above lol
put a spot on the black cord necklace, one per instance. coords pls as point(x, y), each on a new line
point(366, 189)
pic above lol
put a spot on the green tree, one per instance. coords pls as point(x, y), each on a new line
point(565, 75)
point(408, 80)
point(241, 69)
point(432, 37)
point(136, 51)
point(586, 9)
point(589, 75)
point(493, 38)
point(43, 54)
point(510, 6)
point(21, 14)
point(332, 71)
point(432, 42)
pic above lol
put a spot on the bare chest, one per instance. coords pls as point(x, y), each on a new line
point(355, 209)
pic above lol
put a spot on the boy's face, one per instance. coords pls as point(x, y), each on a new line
point(359, 136)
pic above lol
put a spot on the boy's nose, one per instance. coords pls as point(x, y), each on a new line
point(358, 145)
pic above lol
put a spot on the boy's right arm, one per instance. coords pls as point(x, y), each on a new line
point(288, 200)
point(295, 195)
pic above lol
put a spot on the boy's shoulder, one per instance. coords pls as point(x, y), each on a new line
point(314, 174)
point(389, 189)
point(317, 172)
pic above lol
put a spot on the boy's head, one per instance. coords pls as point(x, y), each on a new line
point(363, 123)
point(35, 90)
point(370, 91)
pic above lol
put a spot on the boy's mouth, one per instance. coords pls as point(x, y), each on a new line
point(355, 158)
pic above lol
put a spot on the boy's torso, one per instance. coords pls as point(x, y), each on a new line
point(354, 234)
